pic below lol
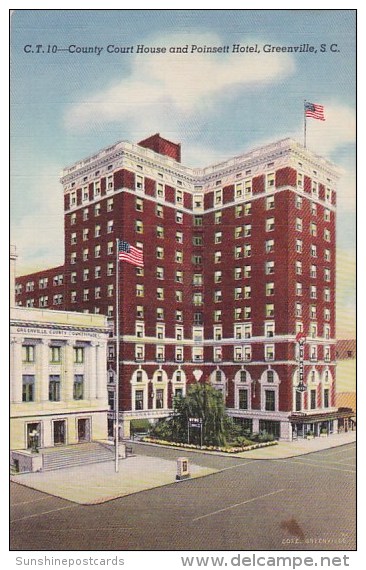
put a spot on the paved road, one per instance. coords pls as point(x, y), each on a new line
point(304, 503)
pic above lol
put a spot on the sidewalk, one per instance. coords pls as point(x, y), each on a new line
point(98, 483)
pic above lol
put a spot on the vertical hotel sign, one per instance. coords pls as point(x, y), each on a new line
point(300, 339)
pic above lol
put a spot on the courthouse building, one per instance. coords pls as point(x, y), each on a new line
point(239, 257)
point(58, 386)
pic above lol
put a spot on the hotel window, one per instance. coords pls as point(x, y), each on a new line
point(326, 332)
point(298, 288)
point(247, 230)
point(313, 311)
point(218, 238)
point(218, 296)
point(313, 294)
point(139, 227)
point(270, 181)
point(238, 211)
point(238, 251)
point(270, 401)
point(248, 187)
point(97, 293)
point(159, 211)
point(313, 229)
point(28, 353)
point(110, 227)
point(160, 353)
point(85, 234)
point(327, 294)
point(270, 224)
point(198, 202)
point(160, 190)
point(109, 204)
point(326, 398)
point(43, 301)
point(139, 400)
point(326, 255)
point(110, 183)
point(217, 257)
point(314, 208)
point(198, 240)
point(139, 290)
point(86, 295)
point(73, 257)
point(299, 246)
point(54, 388)
point(109, 310)
point(85, 195)
point(139, 352)
point(298, 309)
point(73, 198)
point(269, 245)
point(326, 274)
point(140, 330)
point(248, 330)
point(160, 231)
point(313, 330)
point(73, 296)
point(179, 353)
point(218, 217)
point(327, 235)
point(270, 203)
point(139, 180)
point(247, 209)
point(73, 239)
point(312, 399)
point(269, 310)
point(179, 316)
point(217, 332)
point(110, 248)
point(28, 391)
point(328, 195)
point(298, 265)
point(79, 354)
point(247, 292)
point(179, 196)
point(110, 289)
point(269, 289)
point(238, 353)
point(159, 253)
point(218, 276)
point(160, 314)
point(179, 276)
point(313, 251)
point(247, 250)
point(269, 267)
point(179, 332)
point(97, 188)
point(179, 237)
point(179, 256)
point(238, 190)
point(197, 221)
point(78, 392)
point(179, 296)
point(269, 329)
point(237, 313)
point(217, 316)
point(97, 210)
point(243, 375)
point(313, 271)
point(238, 232)
point(247, 271)
point(98, 272)
point(269, 352)
point(197, 279)
point(217, 355)
point(298, 202)
point(238, 332)
point(97, 231)
point(160, 273)
point(300, 180)
point(110, 268)
point(327, 353)
point(197, 299)
point(97, 251)
point(314, 188)
point(327, 314)
point(139, 311)
point(237, 273)
point(160, 331)
point(247, 351)
point(179, 218)
point(218, 197)
point(55, 354)
point(159, 399)
point(298, 224)
point(247, 312)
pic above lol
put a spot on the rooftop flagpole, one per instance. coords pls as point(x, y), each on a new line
point(304, 123)
point(117, 362)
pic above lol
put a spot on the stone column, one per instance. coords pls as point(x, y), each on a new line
point(101, 371)
point(16, 380)
point(42, 391)
point(67, 383)
point(92, 370)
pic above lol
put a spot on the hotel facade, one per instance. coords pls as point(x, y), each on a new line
point(239, 258)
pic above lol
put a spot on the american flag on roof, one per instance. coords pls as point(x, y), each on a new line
point(314, 111)
point(130, 254)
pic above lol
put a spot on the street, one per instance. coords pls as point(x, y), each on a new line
point(302, 503)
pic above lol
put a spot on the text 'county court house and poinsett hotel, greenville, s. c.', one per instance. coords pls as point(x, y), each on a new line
point(239, 257)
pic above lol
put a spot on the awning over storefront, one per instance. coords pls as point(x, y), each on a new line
point(341, 413)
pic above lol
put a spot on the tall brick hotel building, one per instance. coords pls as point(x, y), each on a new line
point(239, 257)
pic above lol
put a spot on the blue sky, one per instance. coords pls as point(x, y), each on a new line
point(65, 106)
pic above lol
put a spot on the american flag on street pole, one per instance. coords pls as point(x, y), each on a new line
point(314, 111)
point(130, 254)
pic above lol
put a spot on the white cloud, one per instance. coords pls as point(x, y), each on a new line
point(169, 83)
point(38, 236)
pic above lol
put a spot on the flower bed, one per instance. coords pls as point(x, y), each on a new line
point(227, 449)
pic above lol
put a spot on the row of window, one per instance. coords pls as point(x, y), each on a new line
point(55, 353)
point(96, 191)
point(97, 232)
point(54, 387)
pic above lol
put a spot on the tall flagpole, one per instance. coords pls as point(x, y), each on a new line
point(304, 124)
point(117, 361)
